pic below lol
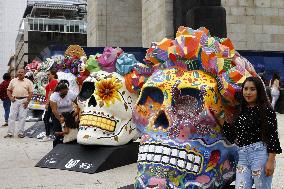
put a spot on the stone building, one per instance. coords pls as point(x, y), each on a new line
point(115, 23)
point(251, 24)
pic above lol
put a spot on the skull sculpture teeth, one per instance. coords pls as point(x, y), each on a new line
point(106, 109)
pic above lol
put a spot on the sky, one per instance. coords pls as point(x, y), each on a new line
point(11, 13)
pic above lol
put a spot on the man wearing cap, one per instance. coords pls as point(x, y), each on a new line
point(19, 92)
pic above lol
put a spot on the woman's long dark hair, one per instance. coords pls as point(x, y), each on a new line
point(262, 103)
point(275, 76)
point(54, 72)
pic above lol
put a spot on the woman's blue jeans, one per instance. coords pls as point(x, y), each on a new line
point(6, 106)
point(251, 167)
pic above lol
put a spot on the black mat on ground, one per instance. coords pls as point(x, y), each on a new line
point(89, 159)
point(35, 130)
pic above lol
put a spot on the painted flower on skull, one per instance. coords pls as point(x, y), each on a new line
point(107, 90)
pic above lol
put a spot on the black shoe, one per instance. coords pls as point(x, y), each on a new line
point(5, 124)
point(21, 135)
point(8, 136)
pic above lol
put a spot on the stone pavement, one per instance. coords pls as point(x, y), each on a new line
point(19, 156)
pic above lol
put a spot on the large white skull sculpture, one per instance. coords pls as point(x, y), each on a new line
point(106, 108)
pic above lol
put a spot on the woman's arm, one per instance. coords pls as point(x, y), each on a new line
point(269, 166)
point(276, 83)
point(53, 106)
point(77, 109)
point(64, 132)
point(273, 143)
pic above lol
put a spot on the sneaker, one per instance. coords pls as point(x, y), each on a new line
point(52, 137)
point(21, 135)
point(40, 135)
point(5, 124)
point(44, 139)
point(8, 136)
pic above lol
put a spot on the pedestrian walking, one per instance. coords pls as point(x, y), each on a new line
point(19, 92)
point(4, 97)
point(274, 85)
point(49, 89)
point(254, 131)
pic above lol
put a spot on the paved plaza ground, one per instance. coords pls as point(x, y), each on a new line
point(19, 156)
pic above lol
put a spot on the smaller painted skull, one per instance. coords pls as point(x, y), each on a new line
point(106, 110)
point(38, 99)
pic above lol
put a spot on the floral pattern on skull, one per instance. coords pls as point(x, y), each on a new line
point(106, 108)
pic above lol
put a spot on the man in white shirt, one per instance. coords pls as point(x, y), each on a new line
point(19, 92)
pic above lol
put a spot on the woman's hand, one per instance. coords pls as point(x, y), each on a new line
point(46, 106)
point(75, 113)
point(61, 120)
point(25, 104)
point(269, 167)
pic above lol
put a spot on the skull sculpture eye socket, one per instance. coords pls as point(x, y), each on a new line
point(150, 103)
point(86, 91)
point(151, 92)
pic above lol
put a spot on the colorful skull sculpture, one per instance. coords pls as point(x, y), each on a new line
point(179, 110)
point(106, 110)
point(181, 143)
point(38, 99)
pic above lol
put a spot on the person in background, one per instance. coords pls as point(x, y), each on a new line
point(262, 74)
point(49, 89)
point(61, 103)
point(254, 130)
point(19, 91)
point(274, 85)
point(4, 97)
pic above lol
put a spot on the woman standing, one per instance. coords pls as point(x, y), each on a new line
point(275, 89)
point(255, 133)
point(49, 89)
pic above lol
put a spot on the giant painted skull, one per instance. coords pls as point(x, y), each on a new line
point(106, 109)
point(181, 145)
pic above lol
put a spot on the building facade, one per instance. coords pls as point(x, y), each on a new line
point(251, 24)
point(49, 23)
point(114, 23)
